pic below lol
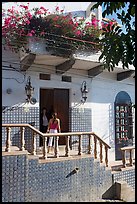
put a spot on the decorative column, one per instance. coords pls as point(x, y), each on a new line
point(124, 158)
point(80, 145)
point(101, 155)
point(106, 156)
point(22, 130)
point(56, 147)
point(33, 143)
point(95, 147)
point(7, 149)
point(130, 157)
point(67, 149)
point(89, 147)
point(44, 147)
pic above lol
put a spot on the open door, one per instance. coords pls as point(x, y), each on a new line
point(58, 101)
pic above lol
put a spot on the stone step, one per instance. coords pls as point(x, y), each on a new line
point(125, 192)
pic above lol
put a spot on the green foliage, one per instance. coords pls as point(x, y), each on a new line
point(117, 45)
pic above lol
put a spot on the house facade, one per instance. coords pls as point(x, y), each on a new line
point(58, 84)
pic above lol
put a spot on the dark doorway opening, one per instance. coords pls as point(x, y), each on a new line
point(57, 100)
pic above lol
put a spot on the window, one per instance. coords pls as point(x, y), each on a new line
point(44, 76)
point(66, 78)
point(124, 125)
point(123, 122)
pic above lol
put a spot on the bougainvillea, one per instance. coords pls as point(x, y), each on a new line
point(58, 29)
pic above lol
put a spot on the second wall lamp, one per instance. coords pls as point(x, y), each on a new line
point(84, 91)
point(29, 90)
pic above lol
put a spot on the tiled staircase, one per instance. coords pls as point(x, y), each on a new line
point(89, 184)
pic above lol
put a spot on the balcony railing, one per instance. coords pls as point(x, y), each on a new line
point(129, 149)
point(95, 143)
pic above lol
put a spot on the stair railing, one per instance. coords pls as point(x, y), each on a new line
point(129, 149)
point(93, 141)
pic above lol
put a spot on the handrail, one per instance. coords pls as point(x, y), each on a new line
point(57, 135)
point(124, 150)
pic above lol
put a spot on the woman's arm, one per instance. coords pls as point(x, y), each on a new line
point(59, 129)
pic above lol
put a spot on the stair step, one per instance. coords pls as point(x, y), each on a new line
point(124, 191)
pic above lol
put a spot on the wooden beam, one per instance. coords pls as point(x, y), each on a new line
point(95, 71)
point(27, 61)
point(124, 75)
point(65, 66)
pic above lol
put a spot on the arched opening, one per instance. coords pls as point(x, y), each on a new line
point(123, 123)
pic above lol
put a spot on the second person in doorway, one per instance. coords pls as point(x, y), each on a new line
point(43, 123)
point(53, 127)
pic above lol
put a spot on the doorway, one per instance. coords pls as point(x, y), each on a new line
point(57, 100)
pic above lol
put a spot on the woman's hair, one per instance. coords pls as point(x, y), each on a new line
point(54, 115)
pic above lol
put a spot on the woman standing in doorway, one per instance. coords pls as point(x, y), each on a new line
point(53, 127)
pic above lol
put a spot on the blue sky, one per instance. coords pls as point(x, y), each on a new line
point(114, 15)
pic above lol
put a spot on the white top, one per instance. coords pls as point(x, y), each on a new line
point(45, 120)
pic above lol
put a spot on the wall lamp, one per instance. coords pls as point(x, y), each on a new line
point(84, 91)
point(29, 90)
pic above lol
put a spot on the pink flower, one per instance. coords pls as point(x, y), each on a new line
point(58, 26)
point(42, 33)
point(13, 25)
point(57, 8)
point(10, 11)
point(29, 34)
point(25, 7)
point(29, 15)
point(27, 22)
point(38, 12)
point(56, 18)
point(70, 23)
point(88, 23)
point(103, 24)
point(94, 21)
point(42, 8)
point(18, 21)
point(7, 21)
point(111, 23)
point(21, 32)
point(76, 24)
point(32, 31)
point(78, 32)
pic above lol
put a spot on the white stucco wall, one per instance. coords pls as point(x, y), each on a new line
point(103, 96)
